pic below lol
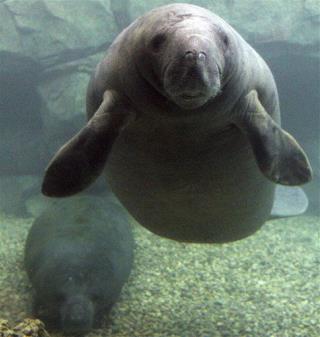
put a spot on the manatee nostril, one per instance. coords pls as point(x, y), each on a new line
point(189, 56)
point(193, 56)
point(202, 56)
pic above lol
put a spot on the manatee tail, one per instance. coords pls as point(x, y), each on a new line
point(288, 201)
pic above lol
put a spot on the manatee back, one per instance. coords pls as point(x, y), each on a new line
point(80, 234)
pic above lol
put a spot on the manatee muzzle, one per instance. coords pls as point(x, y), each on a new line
point(77, 315)
point(192, 77)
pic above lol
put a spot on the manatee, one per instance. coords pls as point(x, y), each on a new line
point(184, 120)
point(78, 255)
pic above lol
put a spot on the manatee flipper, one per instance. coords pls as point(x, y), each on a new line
point(279, 156)
point(288, 201)
point(81, 160)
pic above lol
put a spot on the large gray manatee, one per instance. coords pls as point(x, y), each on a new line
point(184, 118)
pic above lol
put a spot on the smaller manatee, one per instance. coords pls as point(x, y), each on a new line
point(78, 255)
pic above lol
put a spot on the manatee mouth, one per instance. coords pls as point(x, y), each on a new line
point(191, 96)
point(190, 100)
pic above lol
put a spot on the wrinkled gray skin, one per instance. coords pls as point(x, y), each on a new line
point(78, 255)
point(185, 119)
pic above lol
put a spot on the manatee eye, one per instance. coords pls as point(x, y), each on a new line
point(225, 40)
point(157, 41)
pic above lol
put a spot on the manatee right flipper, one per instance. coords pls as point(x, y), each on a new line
point(81, 160)
point(278, 155)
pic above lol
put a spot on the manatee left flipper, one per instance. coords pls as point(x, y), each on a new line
point(81, 160)
point(279, 156)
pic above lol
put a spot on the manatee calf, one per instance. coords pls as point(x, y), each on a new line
point(78, 255)
point(184, 117)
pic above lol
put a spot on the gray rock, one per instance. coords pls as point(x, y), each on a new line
point(51, 30)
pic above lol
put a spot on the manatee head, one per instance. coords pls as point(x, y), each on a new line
point(77, 314)
point(74, 296)
point(185, 60)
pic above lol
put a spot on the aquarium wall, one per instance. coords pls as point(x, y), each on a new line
point(48, 50)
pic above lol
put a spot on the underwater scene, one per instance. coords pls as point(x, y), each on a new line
point(160, 168)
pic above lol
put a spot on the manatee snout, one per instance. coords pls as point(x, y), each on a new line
point(195, 57)
point(192, 76)
point(77, 315)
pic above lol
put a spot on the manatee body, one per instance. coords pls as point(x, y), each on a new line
point(78, 255)
point(184, 117)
